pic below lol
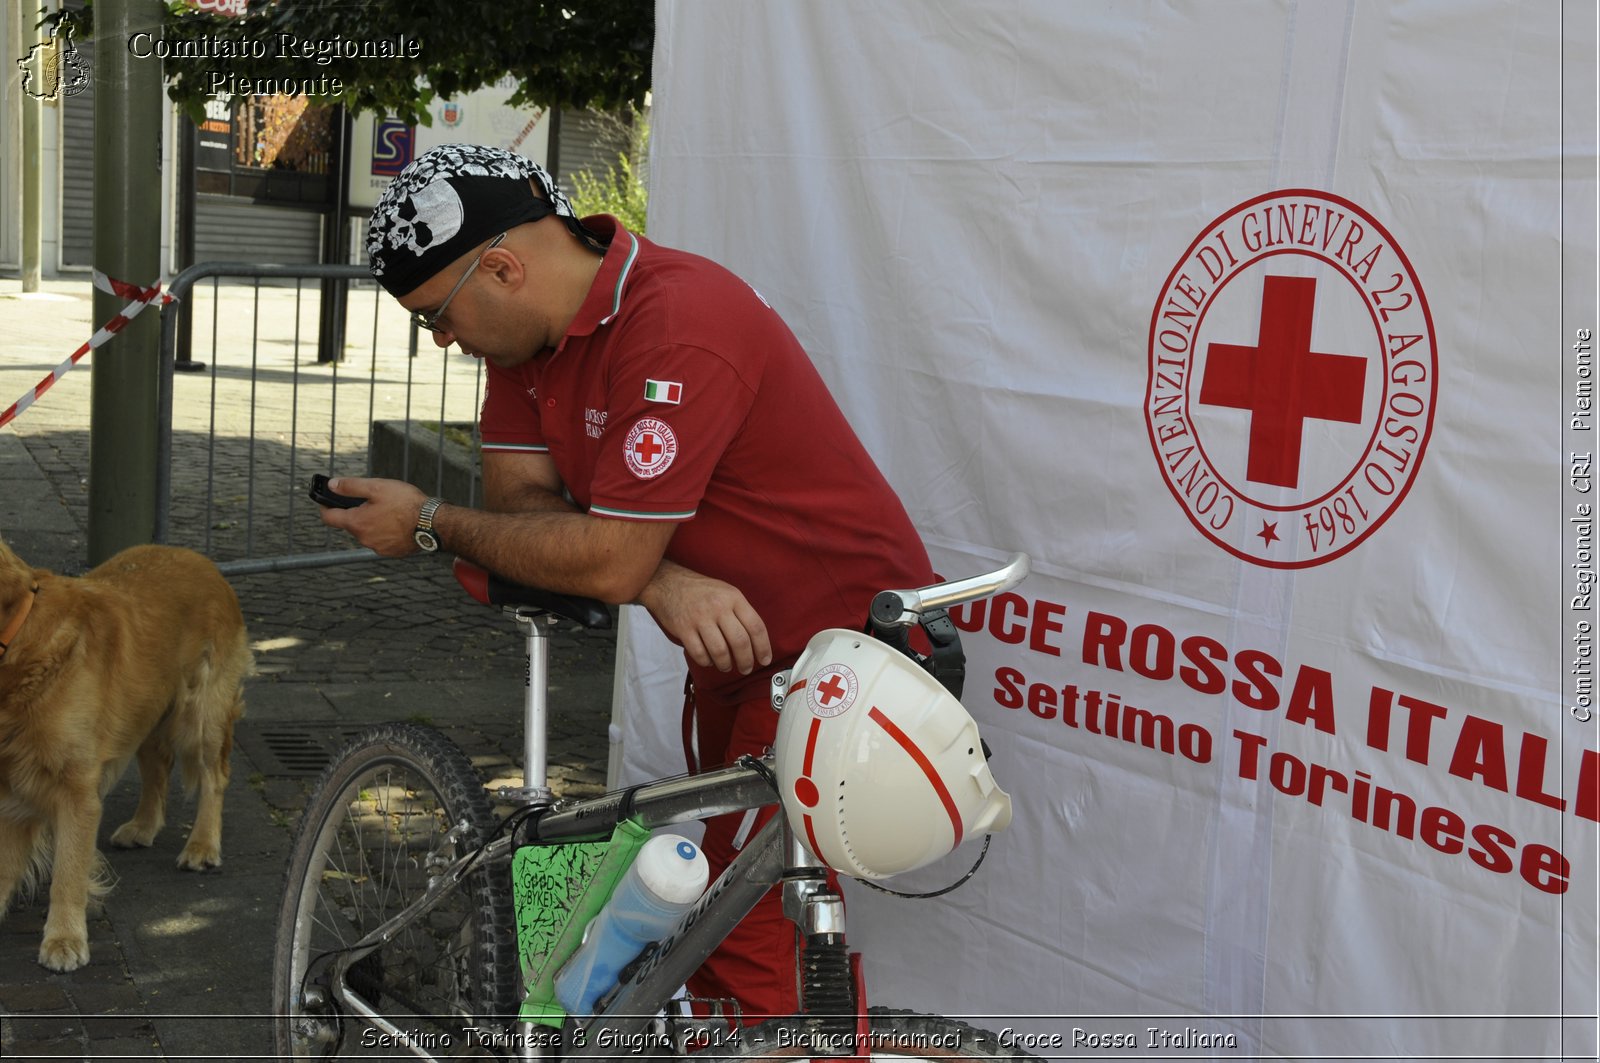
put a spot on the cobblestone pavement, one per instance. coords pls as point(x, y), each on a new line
point(180, 963)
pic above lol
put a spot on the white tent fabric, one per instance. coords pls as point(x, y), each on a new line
point(1259, 326)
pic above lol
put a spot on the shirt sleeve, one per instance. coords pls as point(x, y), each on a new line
point(509, 421)
point(673, 412)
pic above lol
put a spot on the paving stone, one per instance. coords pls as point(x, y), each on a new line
point(25, 918)
point(101, 1028)
point(33, 998)
point(106, 999)
point(45, 1028)
point(50, 1048)
point(136, 1046)
point(105, 965)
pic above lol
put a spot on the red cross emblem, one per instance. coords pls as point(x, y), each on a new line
point(832, 691)
point(1337, 424)
point(649, 448)
point(1283, 382)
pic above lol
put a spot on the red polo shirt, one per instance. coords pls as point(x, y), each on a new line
point(678, 394)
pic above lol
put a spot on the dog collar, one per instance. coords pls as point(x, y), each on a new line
point(10, 633)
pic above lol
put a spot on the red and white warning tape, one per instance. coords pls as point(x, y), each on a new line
point(138, 297)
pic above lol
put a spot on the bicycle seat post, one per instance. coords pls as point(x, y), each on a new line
point(534, 624)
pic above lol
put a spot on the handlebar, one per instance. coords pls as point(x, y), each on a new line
point(906, 608)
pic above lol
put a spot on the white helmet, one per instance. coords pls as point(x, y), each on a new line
point(881, 770)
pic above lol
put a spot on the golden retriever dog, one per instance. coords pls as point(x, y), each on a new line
point(142, 656)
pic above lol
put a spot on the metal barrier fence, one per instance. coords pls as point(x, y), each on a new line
point(253, 414)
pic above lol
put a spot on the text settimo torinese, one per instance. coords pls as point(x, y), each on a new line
point(1481, 751)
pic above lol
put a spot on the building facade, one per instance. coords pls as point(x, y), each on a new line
point(261, 173)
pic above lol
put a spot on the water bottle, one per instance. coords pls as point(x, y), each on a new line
point(668, 875)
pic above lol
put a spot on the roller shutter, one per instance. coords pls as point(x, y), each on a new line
point(77, 173)
point(228, 228)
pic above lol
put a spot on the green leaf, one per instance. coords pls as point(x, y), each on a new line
point(577, 54)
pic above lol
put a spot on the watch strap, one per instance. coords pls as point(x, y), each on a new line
point(426, 537)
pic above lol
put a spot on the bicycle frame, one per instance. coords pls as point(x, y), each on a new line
point(764, 862)
point(649, 986)
point(773, 856)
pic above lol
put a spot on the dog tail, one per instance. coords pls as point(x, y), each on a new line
point(102, 879)
point(37, 871)
point(213, 701)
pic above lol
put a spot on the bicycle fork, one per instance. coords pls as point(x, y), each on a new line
point(832, 994)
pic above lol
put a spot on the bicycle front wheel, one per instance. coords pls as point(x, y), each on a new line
point(398, 804)
point(893, 1035)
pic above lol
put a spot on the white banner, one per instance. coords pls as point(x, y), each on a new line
point(1263, 328)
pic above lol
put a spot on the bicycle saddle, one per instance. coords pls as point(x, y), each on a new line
point(490, 589)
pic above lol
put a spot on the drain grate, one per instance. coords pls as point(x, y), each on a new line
point(294, 750)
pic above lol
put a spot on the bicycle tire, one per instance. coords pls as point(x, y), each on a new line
point(360, 854)
point(894, 1035)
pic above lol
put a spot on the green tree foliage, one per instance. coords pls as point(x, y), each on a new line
point(577, 53)
point(620, 191)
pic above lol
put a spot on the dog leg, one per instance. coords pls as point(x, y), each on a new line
point(155, 773)
point(204, 849)
point(66, 928)
point(208, 762)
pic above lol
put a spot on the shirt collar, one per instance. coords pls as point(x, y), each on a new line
point(604, 300)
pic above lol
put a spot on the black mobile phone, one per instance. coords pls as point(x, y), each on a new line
point(322, 496)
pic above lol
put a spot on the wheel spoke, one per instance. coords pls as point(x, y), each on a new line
point(361, 856)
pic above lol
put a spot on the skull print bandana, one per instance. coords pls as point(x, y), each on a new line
point(449, 201)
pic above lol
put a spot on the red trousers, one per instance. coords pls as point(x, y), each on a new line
point(756, 964)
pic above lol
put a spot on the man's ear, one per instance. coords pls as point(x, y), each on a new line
point(502, 264)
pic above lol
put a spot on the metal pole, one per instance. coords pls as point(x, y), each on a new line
point(188, 134)
point(32, 166)
point(335, 292)
point(127, 247)
point(535, 751)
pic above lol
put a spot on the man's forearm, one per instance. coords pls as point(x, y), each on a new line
point(530, 498)
point(661, 583)
point(710, 619)
point(525, 498)
point(554, 547)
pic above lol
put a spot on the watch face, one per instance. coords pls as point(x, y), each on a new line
point(427, 540)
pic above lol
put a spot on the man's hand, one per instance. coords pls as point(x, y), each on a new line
point(710, 619)
point(388, 520)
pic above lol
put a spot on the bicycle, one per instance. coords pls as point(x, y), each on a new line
point(398, 932)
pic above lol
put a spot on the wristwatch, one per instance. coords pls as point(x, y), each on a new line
point(425, 536)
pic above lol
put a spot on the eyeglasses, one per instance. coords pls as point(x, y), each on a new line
point(431, 321)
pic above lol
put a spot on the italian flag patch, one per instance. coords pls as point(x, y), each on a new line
point(663, 391)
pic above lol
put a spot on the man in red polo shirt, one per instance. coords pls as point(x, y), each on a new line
point(712, 478)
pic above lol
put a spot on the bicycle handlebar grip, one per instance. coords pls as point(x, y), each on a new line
point(890, 609)
point(902, 608)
